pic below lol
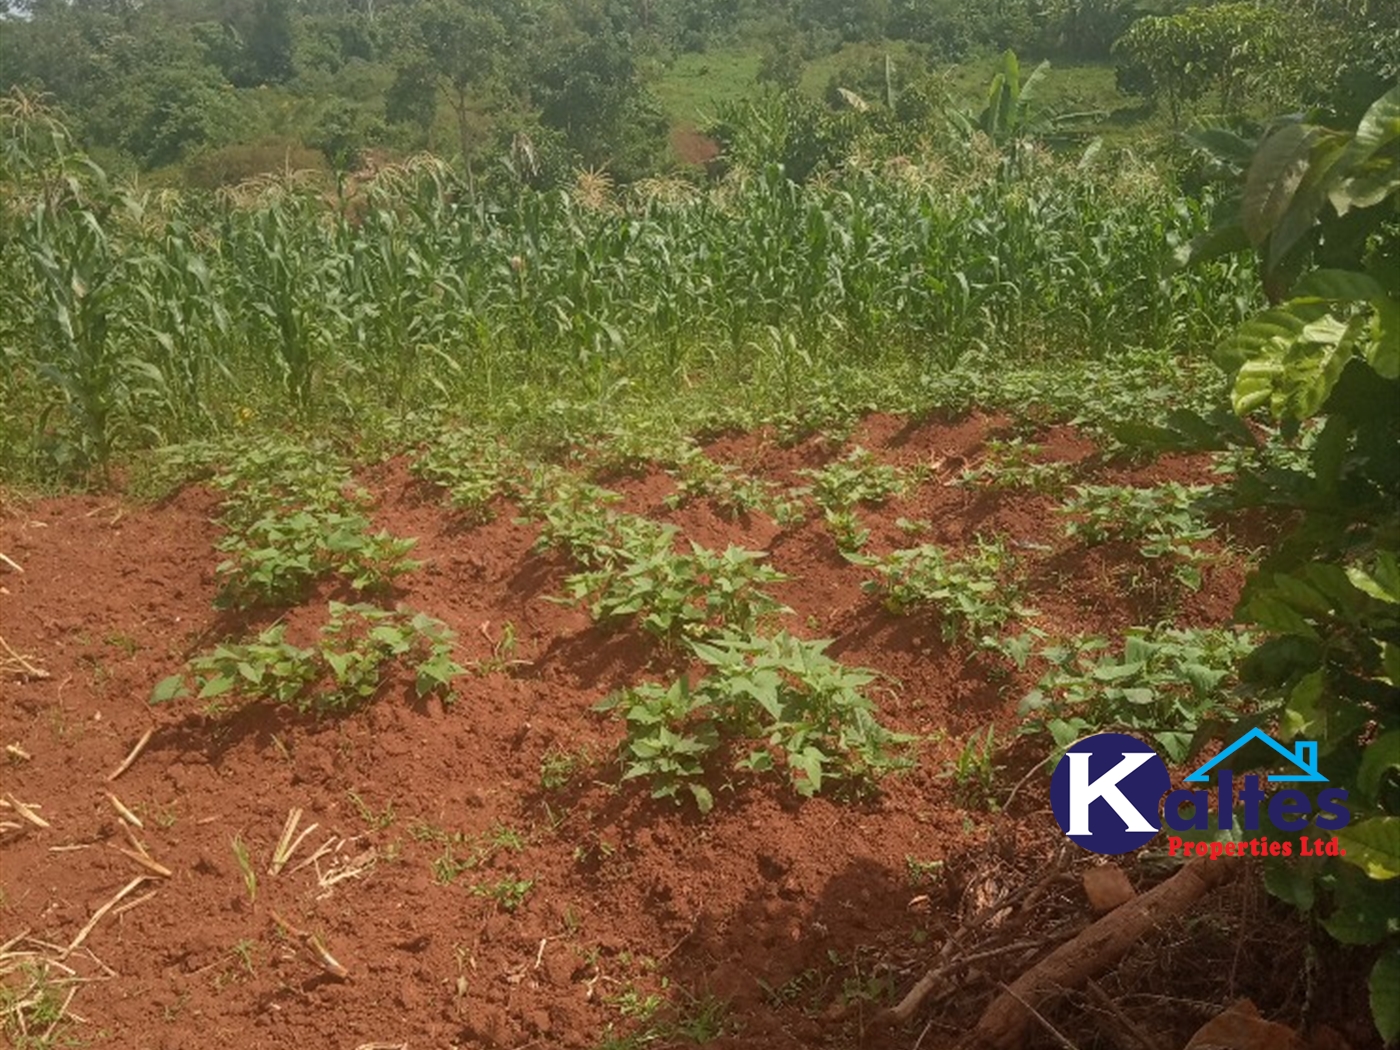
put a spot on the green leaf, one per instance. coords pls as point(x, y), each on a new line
point(1364, 910)
point(1373, 845)
point(216, 686)
point(1383, 581)
point(1340, 286)
point(703, 798)
point(1291, 880)
point(1274, 175)
point(1378, 128)
point(1381, 756)
point(168, 689)
point(1385, 995)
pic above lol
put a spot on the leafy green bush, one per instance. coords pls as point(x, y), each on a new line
point(679, 595)
point(1166, 520)
point(1318, 206)
point(1164, 683)
point(473, 467)
point(347, 666)
point(730, 491)
point(857, 478)
point(801, 707)
point(292, 517)
point(1011, 464)
point(972, 594)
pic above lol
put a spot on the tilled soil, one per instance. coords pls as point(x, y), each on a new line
point(794, 914)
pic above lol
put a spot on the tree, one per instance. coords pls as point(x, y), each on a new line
point(587, 86)
point(448, 48)
point(1180, 57)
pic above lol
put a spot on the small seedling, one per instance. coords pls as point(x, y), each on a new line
point(558, 766)
point(508, 893)
point(245, 865)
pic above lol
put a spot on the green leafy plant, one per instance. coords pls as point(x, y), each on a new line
point(474, 469)
point(673, 595)
point(972, 594)
point(808, 711)
point(1165, 521)
point(508, 892)
point(276, 557)
point(850, 535)
point(974, 770)
point(1012, 464)
point(348, 666)
point(730, 491)
point(292, 518)
point(1317, 205)
point(1167, 684)
point(857, 478)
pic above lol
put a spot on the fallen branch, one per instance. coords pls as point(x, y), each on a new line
point(949, 962)
point(27, 812)
point(126, 814)
point(1068, 967)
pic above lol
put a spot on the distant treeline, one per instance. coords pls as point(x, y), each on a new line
point(209, 91)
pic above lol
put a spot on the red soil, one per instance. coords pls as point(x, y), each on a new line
point(691, 147)
point(772, 903)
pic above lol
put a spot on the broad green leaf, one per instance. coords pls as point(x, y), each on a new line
point(1340, 285)
point(168, 689)
point(1378, 128)
point(216, 686)
point(703, 798)
point(1383, 580)
point(1381, 756)
point(1385, 995)
point(1291, 880)
point(1373, 845)
point(1274, 175)
point(1363, 910)
point(1264, 335)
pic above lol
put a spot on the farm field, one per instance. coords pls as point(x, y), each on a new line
point(452, 613)
point(489, 880)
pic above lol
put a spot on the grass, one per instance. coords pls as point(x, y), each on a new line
point(694, 85)
point(34, 1010)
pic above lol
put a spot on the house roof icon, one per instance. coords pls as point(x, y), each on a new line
point(1303, 757)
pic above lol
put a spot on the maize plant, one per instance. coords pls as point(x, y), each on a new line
point(164, 323)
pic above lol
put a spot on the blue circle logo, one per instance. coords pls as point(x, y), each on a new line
point(1107, 791)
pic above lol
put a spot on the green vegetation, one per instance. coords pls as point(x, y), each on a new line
point(1012, 464)
point(355, 651)
point(910, 212)
point(812, 712)
point(1166, 684)
point(857, 478)
point(971, 595)
point(1165, 521)
point(1318, 206)
point(674, 595)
